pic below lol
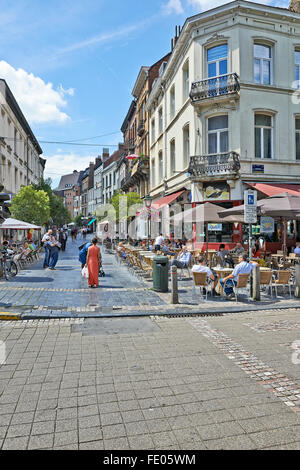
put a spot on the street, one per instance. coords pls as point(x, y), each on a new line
point(230, 381)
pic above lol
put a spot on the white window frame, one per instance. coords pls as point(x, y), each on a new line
point(262, 60)
point(297, 133)
point(153, 173)
point(160, 166)
point(172, 157)
point(160, 120)
point(217, 61)
point(186, 81)
point(218, 132)
point(152, 130)
point(297, 65)
point(262, 157)
point(172, 102)
point(186, 145)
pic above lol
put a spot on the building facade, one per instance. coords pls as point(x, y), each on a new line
point(20, 161)
point(227, 107)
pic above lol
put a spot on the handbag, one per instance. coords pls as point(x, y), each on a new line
point(85, 273)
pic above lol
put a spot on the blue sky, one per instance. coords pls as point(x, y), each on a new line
point(72, 65)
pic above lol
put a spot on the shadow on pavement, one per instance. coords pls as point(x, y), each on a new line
point(31, 279)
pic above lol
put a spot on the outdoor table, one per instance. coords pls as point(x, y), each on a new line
point(221, 272)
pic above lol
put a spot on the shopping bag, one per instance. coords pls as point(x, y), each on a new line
point(85, 273)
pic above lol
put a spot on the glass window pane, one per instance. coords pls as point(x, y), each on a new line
point(263, 52)
point(298, 123)
point(266, 72)
point(218, 52)
point(218, 122)
point(297, 75)
point(267, 143)
point(297, 57)
point(212, 143)
point(223, 67)
point(224, 141)
point(212, 69)
point(257, 143)
point(263, 120)
point(298, 145)
point(257, 71)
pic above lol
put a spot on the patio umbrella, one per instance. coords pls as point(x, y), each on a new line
point(284, 206)
point(14, 224)
point(206, 212)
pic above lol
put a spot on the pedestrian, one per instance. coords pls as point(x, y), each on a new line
point(83, 254)
point(45, 240)
point(62, 239)
point(54, 247)
point(93, 263)
point(158, 242)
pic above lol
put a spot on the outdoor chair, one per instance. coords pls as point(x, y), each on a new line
point(283, 280)
point(242, 283)
point(266, 280)
point(187, 268)
point(201, 281)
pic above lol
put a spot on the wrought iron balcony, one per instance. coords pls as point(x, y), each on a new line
point(221, 164)
point(221, 86)
point(141, 127)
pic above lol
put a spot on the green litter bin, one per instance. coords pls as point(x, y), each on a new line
point(160, 274)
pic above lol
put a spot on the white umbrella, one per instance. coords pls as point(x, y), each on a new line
point(14, 224)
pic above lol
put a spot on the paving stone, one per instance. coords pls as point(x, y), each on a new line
point(18, 430)
point(113, 431)
point(141, 442)
point(92, 445)
point(65, 438)
point(120, 443)
point(90, 434)
point(46, 427)
point(15, 443)
point(41, 442)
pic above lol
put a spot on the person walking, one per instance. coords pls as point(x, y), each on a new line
point(62, 239)
point(54, 247)
point(45, 240)
point(83, 254)
point(93, 262)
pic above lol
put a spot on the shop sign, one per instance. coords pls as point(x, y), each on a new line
point(214, 227)
point(216, 191)
point(267, 225)
point(258, 169)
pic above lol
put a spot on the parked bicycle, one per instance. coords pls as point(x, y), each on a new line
point(8, 266)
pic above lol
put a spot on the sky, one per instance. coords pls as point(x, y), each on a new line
point(72, 65)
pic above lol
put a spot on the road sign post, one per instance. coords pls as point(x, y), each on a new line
point(250, 213)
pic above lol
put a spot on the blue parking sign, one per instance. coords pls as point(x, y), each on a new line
point(251, 199)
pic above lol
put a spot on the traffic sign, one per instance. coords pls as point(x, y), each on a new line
point(250, 203)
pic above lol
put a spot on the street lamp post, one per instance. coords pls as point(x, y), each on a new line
point(148, 203)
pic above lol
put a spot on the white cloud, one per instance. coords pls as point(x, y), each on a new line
point(39, 102)
point(61, 164)
point(173, 6)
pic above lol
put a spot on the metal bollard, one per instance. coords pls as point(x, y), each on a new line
point(297, 281)
point(174, 285)
point(256, 283)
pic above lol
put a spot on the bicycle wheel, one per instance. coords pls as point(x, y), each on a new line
point(13, 269)
point(6, 272)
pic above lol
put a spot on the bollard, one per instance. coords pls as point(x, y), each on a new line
point(174, 285)
point(256, 283)
point(297, 281)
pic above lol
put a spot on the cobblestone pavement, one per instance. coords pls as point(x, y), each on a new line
point(39, 293)
point(151, 383)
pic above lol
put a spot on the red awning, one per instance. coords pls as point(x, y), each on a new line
point(273, 189)
point(164, 201)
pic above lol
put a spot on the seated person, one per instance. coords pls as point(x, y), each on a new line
point(166, 248)
point(183, 259)
point(297, 249)
point(121, 249)
point(201, 267)
point(244, 267)
point(225, 256)
point(238, 249)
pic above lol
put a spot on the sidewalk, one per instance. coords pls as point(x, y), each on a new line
point(63, 293)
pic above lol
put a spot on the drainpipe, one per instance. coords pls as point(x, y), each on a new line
point(27, 171)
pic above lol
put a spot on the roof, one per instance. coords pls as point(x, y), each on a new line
point(68, 181)
point(12, 103)
point(129, 115)
point(114, 157)
point(141, 78)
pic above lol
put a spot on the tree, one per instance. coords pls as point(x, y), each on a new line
point(132, 199)
point(31, 206)
point(78, 220)
point(59, 214)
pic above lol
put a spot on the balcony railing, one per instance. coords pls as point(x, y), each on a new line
point(213, 87)
point(221, 164)
point(141, 128)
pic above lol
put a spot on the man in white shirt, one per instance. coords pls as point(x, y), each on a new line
point(46, 239)
point(183, 259)
point(201, 267)
point(244, 267)
point(297, 249)
point(158, 242)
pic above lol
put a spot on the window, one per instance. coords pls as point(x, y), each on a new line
point(160, 166)
point(172, 102)
point(152, 173)
point(186, 145)
point(263, 136)
point(217, 61)
point(172, 156)
point(186, 81)
point(262, 64)
point(297, 68)
point(152, 131)
point(160, 120)
point(298, 138)
point(217, 134)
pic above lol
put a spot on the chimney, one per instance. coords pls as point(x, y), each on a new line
point(295, 6)
point(105, 154)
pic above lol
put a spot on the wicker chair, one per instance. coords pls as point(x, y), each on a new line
point(242, 283)
point(283, 280)
point(201, 281)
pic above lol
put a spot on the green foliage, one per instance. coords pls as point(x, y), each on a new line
point(31, 206)
point(132, 199)
point(78, 220)
point(59, 214)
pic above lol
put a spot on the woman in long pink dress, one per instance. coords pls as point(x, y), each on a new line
point(93, 263)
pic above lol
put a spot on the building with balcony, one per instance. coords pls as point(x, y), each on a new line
point(20, 161)
point(227, 106)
